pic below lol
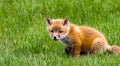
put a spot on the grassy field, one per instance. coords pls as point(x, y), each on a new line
point(24, 40)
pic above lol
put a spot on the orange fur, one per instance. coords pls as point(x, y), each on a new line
point(80, 38)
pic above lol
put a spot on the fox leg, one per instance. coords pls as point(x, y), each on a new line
point(68, 49)
point(98, 46)
point(76, 49)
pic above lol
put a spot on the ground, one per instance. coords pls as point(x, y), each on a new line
point(24, 40)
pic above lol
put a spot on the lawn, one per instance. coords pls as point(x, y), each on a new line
point(24, 40)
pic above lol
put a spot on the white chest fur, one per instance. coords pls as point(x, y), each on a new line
point(66, 41)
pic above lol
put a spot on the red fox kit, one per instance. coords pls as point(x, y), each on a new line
point(79, 39)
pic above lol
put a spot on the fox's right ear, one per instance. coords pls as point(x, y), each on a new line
point(48, 21)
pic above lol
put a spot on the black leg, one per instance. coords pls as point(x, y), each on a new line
point(66, 51)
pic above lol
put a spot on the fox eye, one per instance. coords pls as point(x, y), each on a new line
point(60, 31)
point(51, 31)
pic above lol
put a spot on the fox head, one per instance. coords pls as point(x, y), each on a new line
point(57, 28)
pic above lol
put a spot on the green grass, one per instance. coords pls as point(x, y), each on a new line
point(24, 40)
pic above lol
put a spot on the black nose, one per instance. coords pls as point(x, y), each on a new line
point(55, 38)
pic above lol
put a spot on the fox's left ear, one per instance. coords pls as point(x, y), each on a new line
point(65, 22)
point(48, 21)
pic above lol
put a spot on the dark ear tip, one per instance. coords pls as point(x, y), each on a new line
point(65, 22)
point(48, 20)
point(65, 19)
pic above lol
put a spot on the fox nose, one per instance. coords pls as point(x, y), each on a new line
point(55, 38)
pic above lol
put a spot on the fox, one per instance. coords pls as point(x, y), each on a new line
point(79, 39)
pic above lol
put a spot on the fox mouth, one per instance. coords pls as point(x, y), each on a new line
point(55, 39)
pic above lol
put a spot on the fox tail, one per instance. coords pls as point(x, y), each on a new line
point(115, 49)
